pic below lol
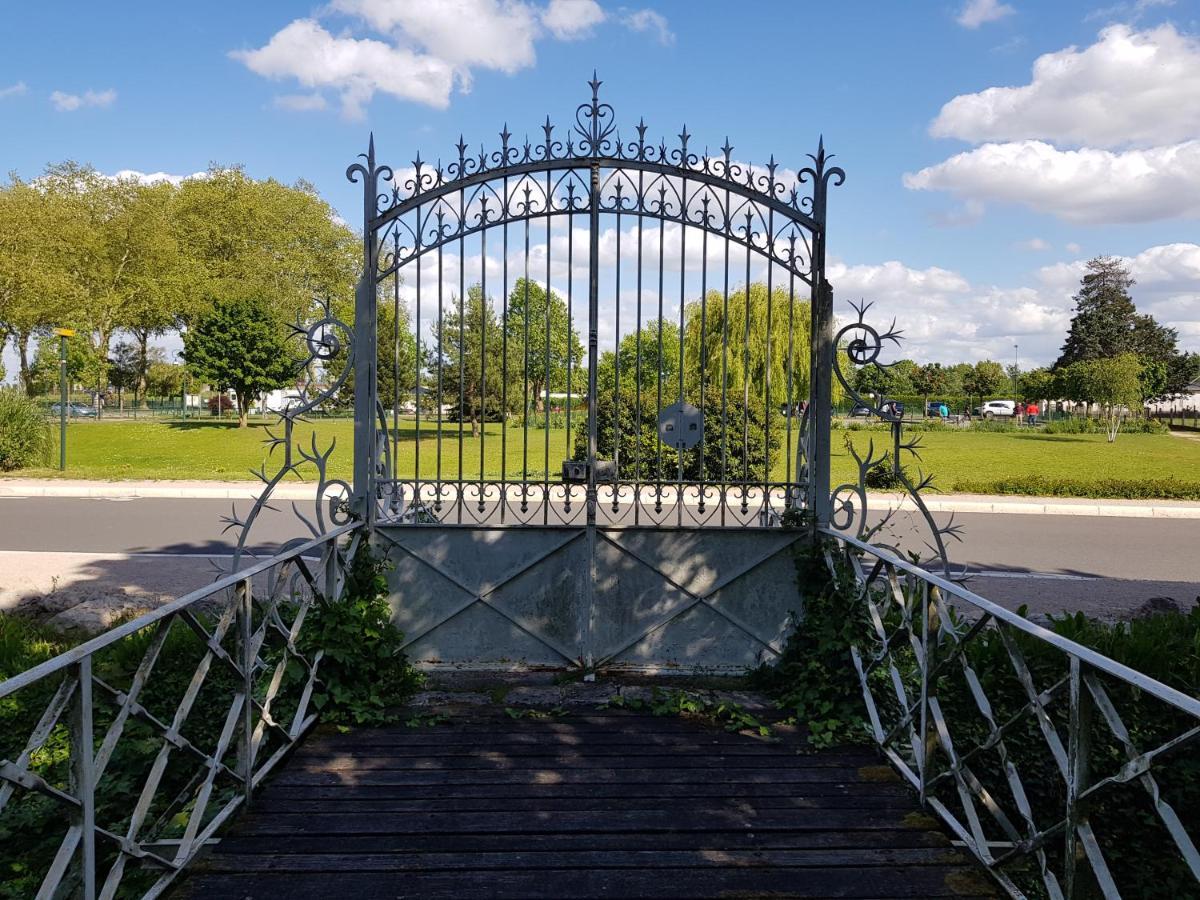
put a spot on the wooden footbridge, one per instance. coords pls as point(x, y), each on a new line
point(586, 805)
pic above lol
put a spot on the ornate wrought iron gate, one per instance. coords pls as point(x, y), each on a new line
point(655, 320)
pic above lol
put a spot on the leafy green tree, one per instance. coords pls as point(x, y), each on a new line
point(396, 357)
point(472, 360)
point(1115, 383)
point(1038, 384)
point(82, 366)
point(281, 243)
point(125, 370)
point(641, 363)
point(39, 237)
point(542, 340)
point(239, 345)
point(164, 379)
point(929, 380)
point(742, 343)
point(987, 377)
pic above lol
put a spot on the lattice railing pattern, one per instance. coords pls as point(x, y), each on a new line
point(186, 709)
point(1034, 750)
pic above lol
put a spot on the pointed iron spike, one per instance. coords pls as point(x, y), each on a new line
point(371, 147)
point(595, 86)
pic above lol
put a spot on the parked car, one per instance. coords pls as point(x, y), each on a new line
point(860, 410)
point(996, 408)
point(77, 410)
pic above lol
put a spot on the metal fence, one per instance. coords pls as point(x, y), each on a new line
point(1033, 749)
point(186, 708)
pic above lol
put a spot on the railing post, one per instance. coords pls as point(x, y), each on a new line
point(83, 773)
point(930, 596)
point(246, 654)
point(821, 404)
point(1078, 753)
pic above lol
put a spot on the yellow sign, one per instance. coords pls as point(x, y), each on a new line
point(65, 332)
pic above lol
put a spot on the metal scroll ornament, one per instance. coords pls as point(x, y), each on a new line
point(864, 345)
point(325, 362)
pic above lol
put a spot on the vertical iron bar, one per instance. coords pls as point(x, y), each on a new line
point(791, 401)
point(593, 341)
point(703, 344)
point(769, 412)
point(928, 597)
point(485, 312)
point(746, 370)
point(504, 361)
point(821, 394)
point(83, 773)
point(658, 381)
point(441, 330)
point(725, 368)
point(546, 371)
point(571, 363)
point(395, 436)
point(679, 451)
point(246, 658)
point(463, 307)
point(364, 389)
point(1078, 757)
point(417, 331)
point(638, 475)
point(617, 363)
point(525, 374)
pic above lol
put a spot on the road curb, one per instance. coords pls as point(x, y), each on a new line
point(939, 503)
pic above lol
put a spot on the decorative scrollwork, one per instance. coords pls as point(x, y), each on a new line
point(427, 206)
point(864, 345)
point(327, 342)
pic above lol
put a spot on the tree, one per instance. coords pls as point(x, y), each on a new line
point(163, 379)
point(125, 370)
point(1038, 385)
point(542, 338)
point(743, 343)
point(239, 345)
point(638, 362)
point(38, 258)
point(471, 365)
point(396, 355)
point(44, 373)
point(1114, 383)
point(930, 379)
point(986, 377)
point(281, 243)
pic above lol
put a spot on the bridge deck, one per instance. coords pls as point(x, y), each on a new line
point(604, 805)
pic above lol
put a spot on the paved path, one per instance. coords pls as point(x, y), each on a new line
point(588, 805)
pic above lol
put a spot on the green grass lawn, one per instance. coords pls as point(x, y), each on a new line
point(979, 462)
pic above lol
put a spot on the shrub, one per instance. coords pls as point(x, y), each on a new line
point(1113, 488)
point(1084, 425)
point(25, 436)
point(997, 425)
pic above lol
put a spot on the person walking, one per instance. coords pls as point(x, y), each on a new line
point(1031, 412)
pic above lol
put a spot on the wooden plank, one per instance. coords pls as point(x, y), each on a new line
point(553, 884)
point(605, 744)
point(581, 776)
point(700, 819)
point(574, 792)
point(868, 857)
point(717, 841)
point(485, 760)
point(364, 803)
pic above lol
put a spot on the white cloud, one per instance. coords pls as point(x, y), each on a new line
point(13, 90)
point(356, 67)
point(300, 102)
point(70, 102)
point(1130, 88)
point(648, 20)
point(1088, 185)
point(423, 51)
point(975, 13)
point(570, 20)
point(153, 177)
point(1034, 245)
point(1073, 247)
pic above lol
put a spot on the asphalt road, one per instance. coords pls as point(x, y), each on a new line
point(1052, 562)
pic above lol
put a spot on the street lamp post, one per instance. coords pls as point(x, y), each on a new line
point(1016, 367)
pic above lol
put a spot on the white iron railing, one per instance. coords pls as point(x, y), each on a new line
point(120, 716)
point(1027, 759)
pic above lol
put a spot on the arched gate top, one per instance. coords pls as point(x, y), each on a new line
point(736, 200)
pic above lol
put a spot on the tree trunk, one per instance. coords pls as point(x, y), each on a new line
point(243, 402)
point(21, 339)
point(139, 384)
point(474, 424)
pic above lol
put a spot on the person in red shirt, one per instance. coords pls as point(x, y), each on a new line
point(1031, 413)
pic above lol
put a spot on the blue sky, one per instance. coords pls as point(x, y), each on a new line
point(967, 220)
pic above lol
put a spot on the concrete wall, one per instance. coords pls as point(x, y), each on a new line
point(641, 599)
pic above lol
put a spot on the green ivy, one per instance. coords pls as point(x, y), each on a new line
point(730, 715)
point(814, 677)
point(364, 675)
